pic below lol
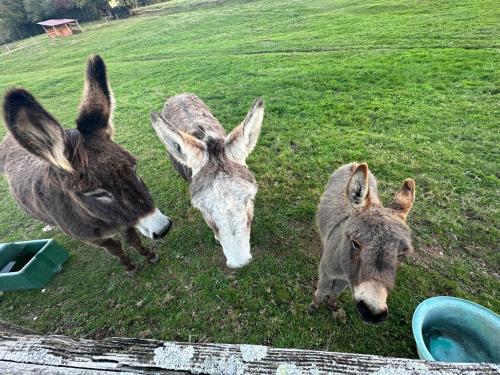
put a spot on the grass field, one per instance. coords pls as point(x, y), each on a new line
point(410, 87)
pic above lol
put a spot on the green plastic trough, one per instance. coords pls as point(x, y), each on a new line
point(30, 264)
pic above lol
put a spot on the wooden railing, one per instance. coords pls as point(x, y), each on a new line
point(22, 352)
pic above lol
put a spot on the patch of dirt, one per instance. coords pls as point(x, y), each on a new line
point(312, 243)
point(433, 251)
point(309, 239)
point(425, 256)
point(314, 247)
point(471, 214)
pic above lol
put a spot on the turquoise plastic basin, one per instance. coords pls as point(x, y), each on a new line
point(449, 329)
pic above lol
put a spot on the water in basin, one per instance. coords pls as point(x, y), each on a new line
point(450, 343)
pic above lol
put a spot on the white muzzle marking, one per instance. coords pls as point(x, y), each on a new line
point(373, 294)
point(155, 225)
point(237, 251)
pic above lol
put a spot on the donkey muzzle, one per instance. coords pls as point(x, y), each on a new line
point(243, 261)
point(155, 225)
point(371, 303)
point(163, 232)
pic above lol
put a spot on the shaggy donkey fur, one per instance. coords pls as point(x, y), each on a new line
point(363, 241)
point(78, 179)
point(214, 164)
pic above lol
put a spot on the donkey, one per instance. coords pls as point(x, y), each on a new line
point(79, 179)
point(214, 164)
point(363, 241)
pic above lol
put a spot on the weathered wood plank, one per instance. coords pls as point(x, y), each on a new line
point(27, 353)
point(15, 368)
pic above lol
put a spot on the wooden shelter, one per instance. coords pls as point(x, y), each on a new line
point(61, 27)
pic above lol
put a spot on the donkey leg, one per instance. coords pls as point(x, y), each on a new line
point(115, 248)
point(322, 290)
point(338, 286)
point(132, 237)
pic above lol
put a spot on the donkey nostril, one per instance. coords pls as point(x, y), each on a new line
point(363, 309)
point(378, 317)
point(168, 226)
point(383, 315)
point(163, 232)
point(368, 315)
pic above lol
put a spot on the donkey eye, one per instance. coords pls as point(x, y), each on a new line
point(100, 194)
point(355, 246)
point(178, 147)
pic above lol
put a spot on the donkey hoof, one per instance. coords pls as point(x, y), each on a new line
point(332, 306)
point(312, 308)
point(154, 259)
point(132, 271)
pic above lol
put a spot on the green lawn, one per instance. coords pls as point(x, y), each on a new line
point(410, 87)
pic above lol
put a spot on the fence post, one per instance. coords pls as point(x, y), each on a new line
point(116, 16)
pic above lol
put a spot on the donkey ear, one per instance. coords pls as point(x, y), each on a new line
point(404, 198)
point(34, 128)
point(96, 106)
point(183, 147)
point(357, 187)
point(242, 140)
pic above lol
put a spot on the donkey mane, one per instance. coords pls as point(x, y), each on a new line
point(75, 148)
point(77, 156)
point(215, 148)
point(219, 164)
point(74, 141)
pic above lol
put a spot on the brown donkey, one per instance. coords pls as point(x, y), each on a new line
point(79, 179)
point(214, 164)
point(363, 241)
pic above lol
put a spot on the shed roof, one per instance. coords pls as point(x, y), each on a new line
point(56, 22)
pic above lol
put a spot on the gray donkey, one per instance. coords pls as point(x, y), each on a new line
point(213, 163)
point(363, 241)
point(79, 179)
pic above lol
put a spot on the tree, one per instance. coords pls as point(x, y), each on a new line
point(84, 10)
point(130, 4)
point(18, 18)
point(38, 10)
point(14, 22)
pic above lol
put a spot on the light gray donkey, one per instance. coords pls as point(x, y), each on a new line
point(363, 241)
point(214, 164)
point(79, 179)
